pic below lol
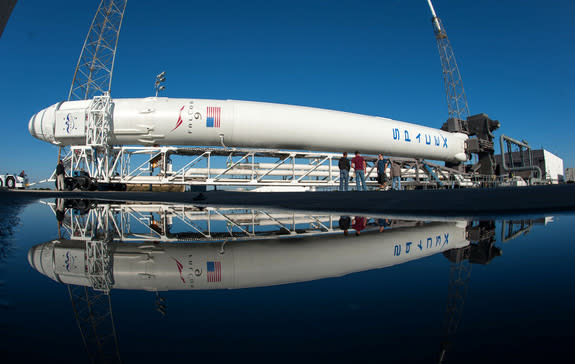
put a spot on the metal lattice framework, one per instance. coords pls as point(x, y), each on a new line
point(245, 167)
point(514, 228)
point(93, 74)
point(92, 305)
point(459, 274)
point(99, 116)
point(455, 94)
point(93, 312)
point(137, 222)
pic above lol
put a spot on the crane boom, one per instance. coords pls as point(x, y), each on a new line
point(93, 74)
point(455, 94)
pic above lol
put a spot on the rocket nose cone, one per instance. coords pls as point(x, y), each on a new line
point(31, 253)
point(39, 257)
point(41, 125)
point(31, 126)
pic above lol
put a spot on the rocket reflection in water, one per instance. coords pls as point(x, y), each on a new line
point(230, 248)
point(159, 247)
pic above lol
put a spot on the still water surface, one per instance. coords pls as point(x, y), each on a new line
point(231, 284)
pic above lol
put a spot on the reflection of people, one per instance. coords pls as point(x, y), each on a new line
point(60, 214)
point(381, 176)
point(396, 175)
point(343, 165)
point(359, 223)
point(359, 165)
point(60, 211)
point(383, 223)
point(344, 223)
point(60, 172)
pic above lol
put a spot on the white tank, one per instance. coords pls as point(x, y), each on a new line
point(197, 122)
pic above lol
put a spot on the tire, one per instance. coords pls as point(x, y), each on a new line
point(10, 182)
point(69, 185)
point(82, 183)
point(2, 183)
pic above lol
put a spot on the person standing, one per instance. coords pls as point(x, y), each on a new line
point(343, 173)
point(60, 173)
point(359, 165)
point(381, 167)
point(396, 175)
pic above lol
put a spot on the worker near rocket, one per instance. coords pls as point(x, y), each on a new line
point(343, 165)
point(395, 175)
point(359, 166)
point(381, 167)
point(60, 173)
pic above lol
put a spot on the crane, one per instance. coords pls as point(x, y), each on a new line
point(93, 76)
point(92, 80)
point(454, 92)
point(459, 119)
point(458, 110)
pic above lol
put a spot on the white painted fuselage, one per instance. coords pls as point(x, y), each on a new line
point(246, 124)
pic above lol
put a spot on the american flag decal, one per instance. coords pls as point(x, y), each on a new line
point(213, 117)
point(214, 271)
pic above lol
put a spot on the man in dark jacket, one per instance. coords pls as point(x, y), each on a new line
point(381, 176)
point(60, 173)
point(344, 173)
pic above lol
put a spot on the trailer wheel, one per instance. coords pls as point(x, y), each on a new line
point(69, 184)
point(10, 183)
point(2, 183)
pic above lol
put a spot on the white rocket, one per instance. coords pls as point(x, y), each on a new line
point(194, 266)
point(231, 123)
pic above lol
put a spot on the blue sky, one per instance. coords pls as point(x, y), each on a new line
point(369, 57)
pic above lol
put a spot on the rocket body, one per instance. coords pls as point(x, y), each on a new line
point(247, 124)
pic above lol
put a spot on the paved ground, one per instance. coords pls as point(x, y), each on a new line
point(503, 201)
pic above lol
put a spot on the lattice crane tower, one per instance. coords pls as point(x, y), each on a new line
point(455, 94)
point(92, 81)
point(93, 74)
